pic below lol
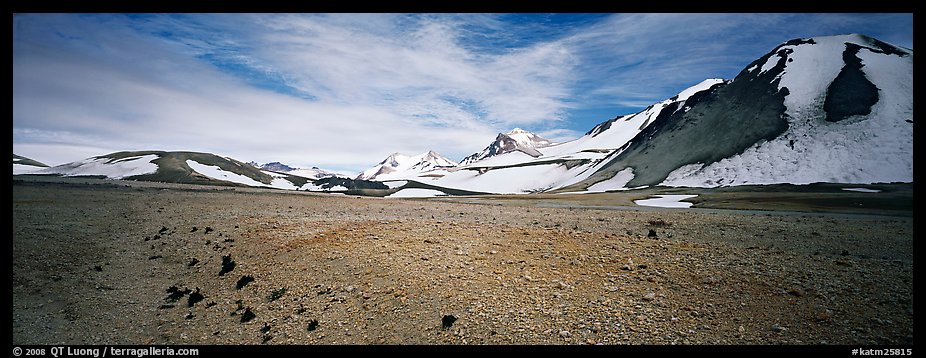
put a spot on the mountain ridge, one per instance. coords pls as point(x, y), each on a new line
point(196, 168)
point(311, 173)
point(399, 166)
point(758, 128)
point(825, 109)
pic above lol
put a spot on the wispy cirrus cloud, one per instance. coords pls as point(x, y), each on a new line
point(421, 71)
point(345, 90)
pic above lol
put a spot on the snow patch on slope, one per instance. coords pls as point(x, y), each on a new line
point(395, 183)
point(510, 158)
point(666, 201)
point(279, 181)
point(25, 169)
point(108, 167)
point(618, 182)
point(415, 193)
point(507, 180)
point(704, 85)
point(807, 77)
point(862, 190)
point(215, 172)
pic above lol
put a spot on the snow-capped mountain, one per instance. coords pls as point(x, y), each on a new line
point(311, 173)
point(515, 140)
point(273, 166)
point(399, 166)
point(23, 165)
point(561, 164)
point(316, 173)
point(564, 163)
point(826, 109)
point(197, 168)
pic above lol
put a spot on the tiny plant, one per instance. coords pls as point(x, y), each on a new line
point(276, 294)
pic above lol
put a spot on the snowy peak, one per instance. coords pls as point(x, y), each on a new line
point(865, 41)
point(811, 110)
point(400, 166)
point(827, 53)
point(527, 139)
point(394, 160)
point(515, 140)
point(628, 126)
point(310, 173)
point(315, 173)
point(839, 71)
point(273, 166)
point(435, 159)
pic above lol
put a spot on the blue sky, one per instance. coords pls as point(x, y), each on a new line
point(343, 91)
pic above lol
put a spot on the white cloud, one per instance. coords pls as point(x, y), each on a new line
point(417, 71)
point(375, 94)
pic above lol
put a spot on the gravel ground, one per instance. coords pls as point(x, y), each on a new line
point(143, 263)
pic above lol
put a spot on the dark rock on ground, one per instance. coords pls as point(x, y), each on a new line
point(247, 315)
point(447, 321)
point(227, 265)
point(244, 281)
point(194, 298)
point(174, 293)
